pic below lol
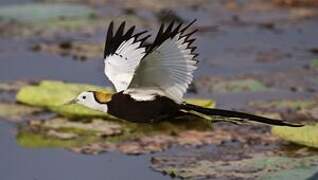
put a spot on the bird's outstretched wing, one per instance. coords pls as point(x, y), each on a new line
point(122, 55)
point(169, 63)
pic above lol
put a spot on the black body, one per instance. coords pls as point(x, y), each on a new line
point(163, 108)
point(125, 107)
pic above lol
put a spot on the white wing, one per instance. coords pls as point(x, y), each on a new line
point(123, 53)
point(169, 66)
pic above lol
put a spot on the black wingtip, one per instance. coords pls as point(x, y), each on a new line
point(131, 31)
point(170, 26)
point(111, 24)
point(115, 37)
point(170, 32)
point(145, 38)
point(190, 33)
point(187, 26)
point(109, 36)
point(140, 33)
point(121, 28)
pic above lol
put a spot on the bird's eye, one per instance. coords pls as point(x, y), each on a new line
point(84, 97)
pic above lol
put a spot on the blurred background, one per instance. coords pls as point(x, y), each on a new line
point(259, 56)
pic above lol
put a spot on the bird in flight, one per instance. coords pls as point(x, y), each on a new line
point(151, 79)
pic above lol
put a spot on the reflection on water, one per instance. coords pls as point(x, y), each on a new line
point(52, 164)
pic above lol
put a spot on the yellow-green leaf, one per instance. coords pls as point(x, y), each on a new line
point(307, 135)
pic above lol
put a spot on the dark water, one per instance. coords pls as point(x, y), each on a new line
point(13, 2)
point(17, 63)
point(234, 50)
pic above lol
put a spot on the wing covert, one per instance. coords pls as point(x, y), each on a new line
point(122, 55)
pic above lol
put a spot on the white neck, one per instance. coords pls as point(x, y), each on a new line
point(97, 106)
point(102, 107)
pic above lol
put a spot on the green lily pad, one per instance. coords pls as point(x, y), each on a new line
point(78, 50)
point(293, 174)
point(307, 135)
point(234, 85)
point(53, 94)
point(12, 86)
point(201, 102)
point(97, 135)
point(15, 112)
point(29, 139)
point(314, 64)
point(256, 167)
point(38, 12)
point(62, 133)
point(87, 24)
point(98, 126)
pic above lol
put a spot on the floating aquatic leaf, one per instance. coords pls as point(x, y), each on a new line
point(314, 64)
point(293, 174)
point(49, 28)
point(62, 135)
point(232, 85)
point(101, 135)
point(201, 102)
point(129, 6)
point(256, 167)
point(77, 111)
point(60, 132)
point(12, 86)
point(307, 135)
point(80, 51)
point(37, 12)
point(98, 126)
point(296, 3)
point(15, 112)
point(304, 109)
point(28, 138)
point(240, 85)
point(132, 138)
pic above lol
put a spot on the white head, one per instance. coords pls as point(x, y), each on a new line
point(94, 100)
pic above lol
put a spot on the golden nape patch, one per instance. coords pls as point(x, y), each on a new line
point(102, 97)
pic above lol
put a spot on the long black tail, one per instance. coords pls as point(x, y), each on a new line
point(235, 114)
